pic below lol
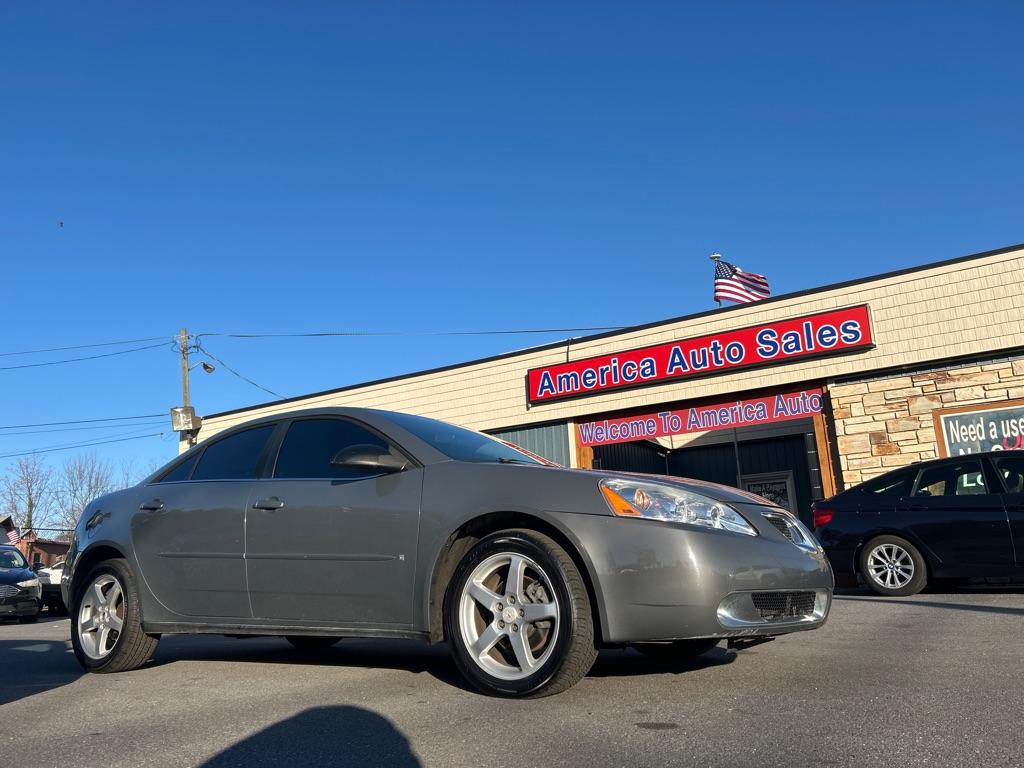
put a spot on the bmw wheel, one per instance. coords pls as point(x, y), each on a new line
point(106, 623)
point(517, 616)
point(893, 566)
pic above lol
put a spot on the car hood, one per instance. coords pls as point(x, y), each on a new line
point(14, 575)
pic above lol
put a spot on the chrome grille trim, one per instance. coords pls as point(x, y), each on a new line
point(771, 608)
point(8, 590)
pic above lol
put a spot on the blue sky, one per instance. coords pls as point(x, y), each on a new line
point(290, 167)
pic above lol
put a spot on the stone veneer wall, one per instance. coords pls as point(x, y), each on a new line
point(886, 423)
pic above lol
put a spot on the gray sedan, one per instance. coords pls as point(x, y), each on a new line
point(343, 522)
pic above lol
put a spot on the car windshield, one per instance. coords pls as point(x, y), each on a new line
point(461, 444)
point(11, 558)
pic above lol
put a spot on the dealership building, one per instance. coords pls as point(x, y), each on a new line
point(794, 397)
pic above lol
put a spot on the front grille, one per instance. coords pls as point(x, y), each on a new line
point(8, 590)
point(781, 525)
point(778, 606)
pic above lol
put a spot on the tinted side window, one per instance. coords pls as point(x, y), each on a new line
point(890, 485)
point(235, 457)
point(310, 445)
point(181, 470)
point(1011, 470)
point(962, 479)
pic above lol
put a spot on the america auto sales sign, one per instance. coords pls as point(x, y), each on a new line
point(825, 333)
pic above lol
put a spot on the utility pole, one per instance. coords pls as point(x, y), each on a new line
point(183, 344)
point(183, 418)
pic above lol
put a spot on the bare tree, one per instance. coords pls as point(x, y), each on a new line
point(80, 480)
point(26, 492)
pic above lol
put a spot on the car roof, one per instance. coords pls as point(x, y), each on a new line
point(961, 457)
point(918, 465)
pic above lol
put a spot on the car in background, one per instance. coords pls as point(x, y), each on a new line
point(949, 519)
point(348, 522)
point(20, 591)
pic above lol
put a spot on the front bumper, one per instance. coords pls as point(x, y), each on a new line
point(27, 601)
point(663, 581)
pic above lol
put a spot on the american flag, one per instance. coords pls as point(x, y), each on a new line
point(13, 537)
point(734, 284)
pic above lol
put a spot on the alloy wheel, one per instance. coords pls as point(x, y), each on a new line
point(890, 566)
point(509, 616)
point(101, 616)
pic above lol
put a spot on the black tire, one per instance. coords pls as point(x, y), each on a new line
point(574, 650)
point(311, 642)
point(677, 650)
point(918, 580)
point(132, 647)
point(56, 607)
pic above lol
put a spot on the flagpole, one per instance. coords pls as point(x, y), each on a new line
point(715, 257)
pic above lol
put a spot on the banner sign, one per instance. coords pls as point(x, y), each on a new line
point(825, 333)
point(702, 418)
point(977, 428)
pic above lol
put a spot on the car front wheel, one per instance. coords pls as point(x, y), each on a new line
point(517, 616)
point(106, 622)
point(893, 567)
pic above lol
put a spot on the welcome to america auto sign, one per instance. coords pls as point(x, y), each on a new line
point(826, 333)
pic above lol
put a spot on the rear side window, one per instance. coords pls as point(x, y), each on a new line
point(1011, 470)
point(234, 457)
point(310, 445)
point(960, 479)
point(898, 484)
point(181, 470)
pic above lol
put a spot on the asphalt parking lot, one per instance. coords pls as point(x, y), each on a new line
point(937, 680)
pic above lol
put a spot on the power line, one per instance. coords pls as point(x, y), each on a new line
point(204, 351)
point(79, 441)
point(75, 429)
point(83, 346)
point(79, 445)
point(323, 334)
point(84, 421)
point(79, 359)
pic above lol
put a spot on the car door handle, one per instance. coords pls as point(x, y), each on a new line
point(270, 503)
point(154, 505)
point(96, 519)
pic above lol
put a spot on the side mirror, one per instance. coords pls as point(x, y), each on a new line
point(37, 567)
point(369, 458)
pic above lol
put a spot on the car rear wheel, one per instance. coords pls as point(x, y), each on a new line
point(312, 642)
point(517, 616)
point(677, 650)
point(106, 622)
point(893, 567)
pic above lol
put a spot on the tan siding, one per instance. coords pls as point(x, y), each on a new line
point(968, 308)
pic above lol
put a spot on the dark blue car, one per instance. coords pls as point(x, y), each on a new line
point(956, 518)
point(20, 592)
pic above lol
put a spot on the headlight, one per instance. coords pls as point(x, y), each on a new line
point(660, 501)
point(29, 583)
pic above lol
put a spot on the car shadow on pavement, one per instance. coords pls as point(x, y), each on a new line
point(911, 601)
point(325, 737)
point(407, 655)
point(626, 662)
point(33, 666)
